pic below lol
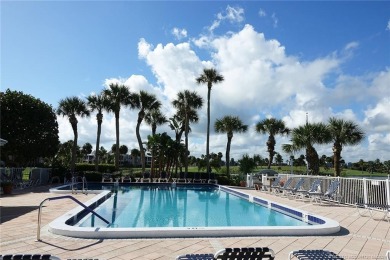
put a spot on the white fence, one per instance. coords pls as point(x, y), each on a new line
point(353, 190)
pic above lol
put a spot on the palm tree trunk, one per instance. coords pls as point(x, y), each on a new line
point(208, 130)
point(336, 158)
point(271, 150)
point(99, 118)
point(141, 148)
point(228, 155)
point(117, 141)
point(312, 160)
point(73, 162)
point(186, 144)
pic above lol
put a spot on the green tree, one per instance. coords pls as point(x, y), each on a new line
point(272, 127)
point(72, 107)
point(117, 96)
point(145, 103)
point(343, 132)
point(98, 103)
point(229, 125)
point(155, 118)
point(135, 153)
point(209, 77)
point(87, 149)
point(123, 149)
point(102, 153)
point(187, 103)
point(30, 127)
point(278, 159)
point(64, 154)
point(246, 164)
point(304, 137)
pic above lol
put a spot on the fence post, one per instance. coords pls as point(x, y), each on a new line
point(388, 191)
point(365, 190)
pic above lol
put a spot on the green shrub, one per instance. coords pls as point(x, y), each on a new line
point(103, 168)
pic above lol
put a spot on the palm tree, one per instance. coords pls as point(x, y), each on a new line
point(343, 133)
point(272, 127)
point(73, 107)
point(97, 103)
point(187, 103)
point(154, 118)
point(209, 77)
point(146, 103)
point(117, 95)
point(229, 125)
point(304, 137)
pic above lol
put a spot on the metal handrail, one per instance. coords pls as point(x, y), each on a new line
point(64, 197)
point(84, 184)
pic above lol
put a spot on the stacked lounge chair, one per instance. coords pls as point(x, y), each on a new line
point(233, 253)
point(198, 178)
point(146, 177)
point(163, 177)
point(182, 178)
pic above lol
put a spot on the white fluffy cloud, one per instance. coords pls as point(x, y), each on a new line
point(179, 33)
point(231, 14)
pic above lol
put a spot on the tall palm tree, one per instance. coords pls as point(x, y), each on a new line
point(187, 103)
point(229, 125)
point(154, 118)
point(343, 133)
point(272, 127)
point(146, 103)
point(73, 107)
point(209, 77)
point(117, 95)
point(304, 137)
point(97, 103)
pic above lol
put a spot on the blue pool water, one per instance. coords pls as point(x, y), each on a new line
point(182, 206)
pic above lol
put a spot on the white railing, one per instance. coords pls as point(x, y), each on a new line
point(353, 190)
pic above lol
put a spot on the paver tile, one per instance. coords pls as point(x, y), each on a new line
point(360, 237)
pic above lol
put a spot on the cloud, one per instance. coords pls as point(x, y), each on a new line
point(351, 45)
point(261, 80)
point(388, 25)
point(255, 69)
point(179, 33)
point(378, 117)
point(231, 14)
point(262, 13)
point(275, 20)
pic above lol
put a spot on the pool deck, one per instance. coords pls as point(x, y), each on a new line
point(359, 238)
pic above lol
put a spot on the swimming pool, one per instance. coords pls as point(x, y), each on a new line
point(182, 210)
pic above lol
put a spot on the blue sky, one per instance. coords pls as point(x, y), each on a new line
point(279, 59)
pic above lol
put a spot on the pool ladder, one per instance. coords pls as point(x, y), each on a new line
point(76, 180)
point(64, 197)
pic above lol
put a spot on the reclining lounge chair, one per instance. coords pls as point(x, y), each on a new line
point(314, 255)
point(330, 193)
point(313, 188)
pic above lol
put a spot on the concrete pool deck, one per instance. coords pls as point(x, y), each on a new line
point(359, 238)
